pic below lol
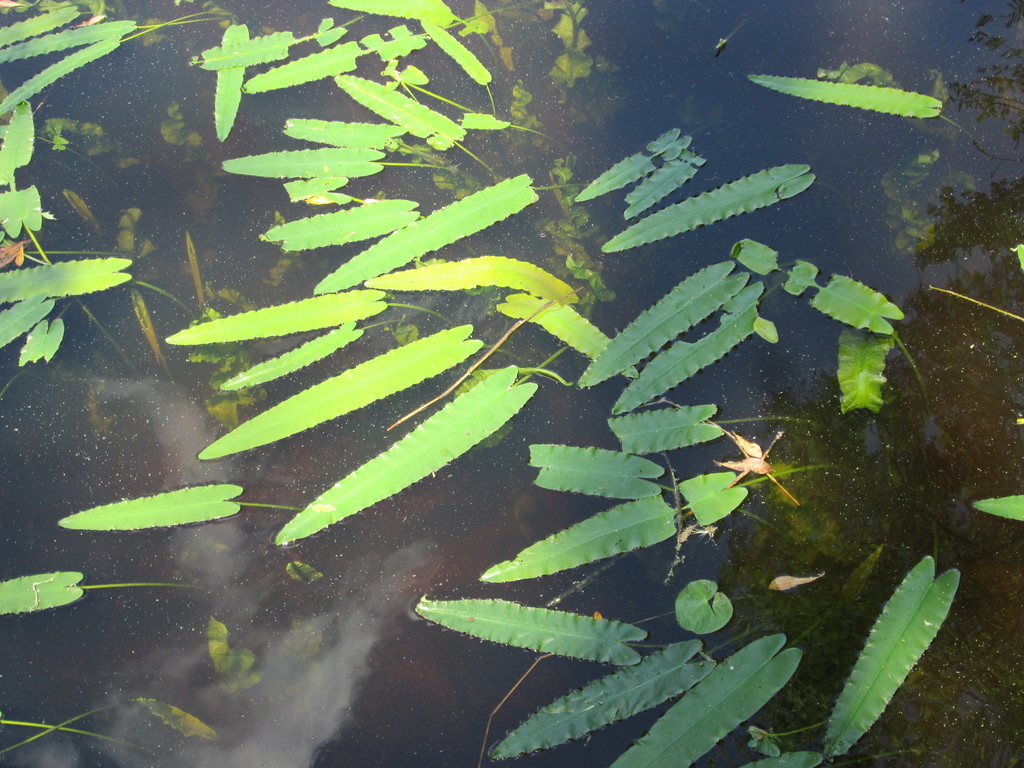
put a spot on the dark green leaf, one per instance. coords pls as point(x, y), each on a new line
point(889, 100)
point(755, 256)
point(709, 496)
point(701, 608)
point(594, 471)
point(665, 429)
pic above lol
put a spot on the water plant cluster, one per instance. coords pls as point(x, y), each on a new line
point(374, 60)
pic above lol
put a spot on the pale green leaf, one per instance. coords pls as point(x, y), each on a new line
point(443, 227)
point(665, 429)
point(562, 322)
point(857, 305)
point(188, 505)
point(766, 329)
point(69, 38)
point(475, 121)
point(307, 163)
point(402, 43)
point(235, 665)
point(755, 256)
point(294, 359)
point(623, 528)
point(294, 317)
point(801, 277)
point(37, 25)
point(625, 693)
point(39, 592)
point(595, 471)
point(20, 207)
point(861, 367)
point(740, 196)
point(339, 134)
point(539, 629)
point(459, 53)
point(367, 221)
point(431, 10)
point(709, 496)
point(178, 719)
point(317, 187)
point(443, 437)
point(228, 96)
point(243, 52)
point(904, 630)
point(21, 317)
point(372, 380)
point(18, 141)
point(66, 278)
point(42, 342)
point(315, 66)
point(476, 272)
point(736, 689)
point(417, 119)
point(701, 608)
point(1005, 506)
point(889, 100)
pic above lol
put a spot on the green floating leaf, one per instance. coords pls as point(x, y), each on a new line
point(701, 608)
point(339, 134)
point(22, 317)
point(709, 496)
point(1006, 506)
point(733, 692)
point(861, 366)
point(801, 277)
point(66, 278)
point(459, 53)
point(294, 359)
point(889, 100)
point(662, 183)
point(788, 760)
point(855, 304)
point(440, 439)
point(443, 227)
point(37, 25)
point(632, 168)
point(631, 690)
point(431, 10)
point(620, 529)
point(755, 256)
point(179, 719)
point(303, 188)
point(188, 505)
point(766, 330)
point(665, 429)
point(315, 66)
point(683, 359)
point(228, 96)
point(740, 196)
point(340, 227)
point(562, 322)
point(904, 630)
point(539, 629)
point(42, 342)
point(402, 43)
point(307, 163)
point(20, 207)
point(367, 382)
point(439, 131)
point(240, 51)
point(477, 272)
point(39, 592)
point(55, 71)
point(294, 317)
point(69, 38)
point(594, 471)
point(475, 121)
point(692, 301)
point(18, 141)
point(235, 666)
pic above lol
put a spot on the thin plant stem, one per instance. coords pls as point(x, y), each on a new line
point(47, 729)
point(979, 303)
point(139, 584)
point(487, 729)
point(917, 373)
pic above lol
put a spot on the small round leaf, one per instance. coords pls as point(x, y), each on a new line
point(701, 608)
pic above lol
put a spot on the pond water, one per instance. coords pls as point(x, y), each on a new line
point(348, 673)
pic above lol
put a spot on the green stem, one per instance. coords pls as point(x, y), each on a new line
point(979, 303)
point(270, 506)
point(139, 584)
point(166, 294)
point(917, 373)
point(59, 727)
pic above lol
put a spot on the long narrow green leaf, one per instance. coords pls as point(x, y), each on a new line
point(477, 272)
point(562, 322)
point(293, 317)
point(18, 141)
point(39, 592)
point(1011, 507)
point(359, 386)
point(294, 359)
point(539, 629)
point(683, 359)
point(622, 694)
point(21, 317)
point(228, 96)
point(20, 208)
point(595, 471)
point(316, 66)
point(734, 691)
point(623, 528)
point(67, 278)
point(188, 505)
point(69, 38)
point(37, 25)
point(432, 10)
point(871, 97)
point(459, 53)
point(740, 196)
point(338, 134)
point(307, 163)
point(243, 52)
point(904, 630)
point(57, 70)
point(665, 429)
point(439, 131)
point(347, 226)
point(689, 303)
point(440, 439)
point(635, 167)
point(443, 227)
point(662, 183)
point(853, 303)
point(861, 366)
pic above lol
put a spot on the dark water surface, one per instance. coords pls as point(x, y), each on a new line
point(350, 676)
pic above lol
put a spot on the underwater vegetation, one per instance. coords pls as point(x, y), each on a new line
point(382, 59)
